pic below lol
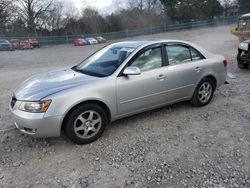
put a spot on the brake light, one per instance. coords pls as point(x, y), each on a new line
point(225, 63)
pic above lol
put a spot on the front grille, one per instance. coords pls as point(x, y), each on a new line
point(13, 102)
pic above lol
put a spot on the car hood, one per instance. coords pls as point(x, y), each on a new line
point(247, 41)
point(39, 86)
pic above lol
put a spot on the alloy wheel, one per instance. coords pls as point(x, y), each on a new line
point(87, 124)
point(205, 92)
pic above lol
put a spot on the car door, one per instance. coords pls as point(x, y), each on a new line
point(139, 92)
point(185, 66)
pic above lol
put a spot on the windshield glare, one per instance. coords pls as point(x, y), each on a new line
point(105, 61)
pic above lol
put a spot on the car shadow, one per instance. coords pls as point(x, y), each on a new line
point(142, 115)
point(118, 124)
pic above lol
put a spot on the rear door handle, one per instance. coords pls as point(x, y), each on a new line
point(197, 69)
point(161, 77)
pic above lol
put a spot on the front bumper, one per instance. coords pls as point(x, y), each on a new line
point(36, 124)
point(243, 57)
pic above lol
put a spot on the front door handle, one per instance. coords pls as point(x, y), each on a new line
point(161, 77)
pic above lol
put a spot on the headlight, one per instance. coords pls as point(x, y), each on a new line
point(243, 46)
point(35, 107)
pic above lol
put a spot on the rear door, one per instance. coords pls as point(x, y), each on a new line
point(184, 70)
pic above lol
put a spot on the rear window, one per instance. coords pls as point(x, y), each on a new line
point(182, 54)
point(178, 54)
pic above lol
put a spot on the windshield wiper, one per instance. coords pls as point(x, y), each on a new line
point(76, 69)
point(87, 72)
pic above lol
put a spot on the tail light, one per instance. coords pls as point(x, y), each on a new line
point(225, 63)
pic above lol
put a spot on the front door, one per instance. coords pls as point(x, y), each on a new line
point(136, 93)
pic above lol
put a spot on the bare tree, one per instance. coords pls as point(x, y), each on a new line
point(148, 13)
point(227, 5)
point(33, 11)
point(143, 5)
point(54, 19)
point(4, 10)
point(91, 21)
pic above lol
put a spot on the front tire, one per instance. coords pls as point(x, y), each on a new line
point(203, 93)
point(86, 123)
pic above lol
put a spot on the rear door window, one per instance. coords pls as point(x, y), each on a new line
point(178, 54)
point(195, 55)
point(182, 54)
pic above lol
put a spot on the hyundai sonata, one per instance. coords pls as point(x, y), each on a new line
point(119, 80)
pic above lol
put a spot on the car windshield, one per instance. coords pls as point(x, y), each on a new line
point(104, 62)
point(244, 24)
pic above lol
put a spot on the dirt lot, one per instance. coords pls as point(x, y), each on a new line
point(176, 146)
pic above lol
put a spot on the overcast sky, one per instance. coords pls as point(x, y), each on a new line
point(103, 6)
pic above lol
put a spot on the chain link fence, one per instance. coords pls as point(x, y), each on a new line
point(67, 39)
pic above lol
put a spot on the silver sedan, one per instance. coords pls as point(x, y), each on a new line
point(119, 80)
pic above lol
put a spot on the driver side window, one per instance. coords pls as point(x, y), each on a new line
point(148, 60)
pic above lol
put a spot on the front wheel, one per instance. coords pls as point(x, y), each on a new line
point(86, 123)
point(203, 93)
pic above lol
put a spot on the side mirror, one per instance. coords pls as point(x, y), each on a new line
point(132, 71)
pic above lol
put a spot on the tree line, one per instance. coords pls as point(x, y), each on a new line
point(53, 17)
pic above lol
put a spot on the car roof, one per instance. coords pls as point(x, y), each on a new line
point(144, 43)
point(246, 41)
point(138, 43)
point(245, 16)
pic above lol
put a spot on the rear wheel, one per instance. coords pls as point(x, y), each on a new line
point(203, 93)
point(86, 123)
point(242, 66)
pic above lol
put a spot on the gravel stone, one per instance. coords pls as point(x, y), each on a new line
point(175, 146)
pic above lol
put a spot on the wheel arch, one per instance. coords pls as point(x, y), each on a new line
point(98, 102)
point(211, 77)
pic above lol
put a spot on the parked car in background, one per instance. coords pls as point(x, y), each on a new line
point(101, 39)
point(242, 31)
point(80, 42)
point(25, 44)
point(5, 45)
point(91, 40)
point(34, 42)
point(243, 56)
point(15, 43)
point(119, 80)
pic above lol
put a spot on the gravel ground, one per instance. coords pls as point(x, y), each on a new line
point(175, 146)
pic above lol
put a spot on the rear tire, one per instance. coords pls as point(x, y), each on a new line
point(203, 93)
point(86, 123)
point(242, 66)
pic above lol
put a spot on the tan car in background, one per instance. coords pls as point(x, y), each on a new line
point(242, 31)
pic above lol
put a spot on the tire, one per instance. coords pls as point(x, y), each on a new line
point(242, 66)
point(86, 123)
point(203, 93)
